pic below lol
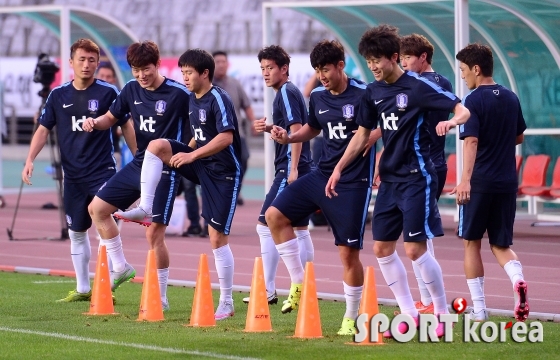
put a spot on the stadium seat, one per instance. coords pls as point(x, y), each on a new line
point(533, 179)
point(451, 178)
point(555, 187)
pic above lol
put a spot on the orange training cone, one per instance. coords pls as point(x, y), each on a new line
point(101, 297)
point(258, 314)
point(308, 323)
point(202, 313)
point(150, 301)
point(369, 306)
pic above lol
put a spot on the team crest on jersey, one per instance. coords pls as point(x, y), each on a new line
point(402, 101)
point(160, 107)
point(348, 112)
point(93, 105)
point(202, 115)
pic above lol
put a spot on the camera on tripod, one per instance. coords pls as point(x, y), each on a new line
point(45, 71)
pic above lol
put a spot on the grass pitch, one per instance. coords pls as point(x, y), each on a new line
point(33, 326)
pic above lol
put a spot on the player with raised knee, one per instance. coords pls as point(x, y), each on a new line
point(416, 55)
point(487, 191)
point(290, 162)
point(212, 159)
point(406, 201)
point(159, 109)
point(332, 109)
point(87, 158)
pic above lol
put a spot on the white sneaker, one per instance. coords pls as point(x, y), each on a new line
point(272, 299)
point(137, 215)
point(117, 278)
point(482, 315)
point(225, 309)
point(165, 305)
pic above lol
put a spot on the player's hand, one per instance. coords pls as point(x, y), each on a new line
point(279, 135)
point(331, 184)
point(181, 159)
point(89, 124)
point(27, 172)
point(462, 193)
point(443, 127)
point(293, 176)
point(260, 125)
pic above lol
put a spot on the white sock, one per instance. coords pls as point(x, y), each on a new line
point(223, 258)
point(109, 262)
point(306, 251)
point(477, 293)
point(394, 273)
point(115, 252)
point(353, 295)
point(163, 276)
point(433, 278)
point(80, 250)
point(425, 296)
point(514, 270)
point(270, 258)
point(149, 179)
point(289, 252)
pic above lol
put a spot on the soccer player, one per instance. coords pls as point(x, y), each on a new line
point(416, 56)
point(406, 200)
point(488, 188)
point(159, 108)
point(87, 158)
point(211, 159)
point(332, 108)
point(290, 162)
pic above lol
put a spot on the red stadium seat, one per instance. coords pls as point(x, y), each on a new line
point(555, 187)
point(451, 178)
point(533, 180)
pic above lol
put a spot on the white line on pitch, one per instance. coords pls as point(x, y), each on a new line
point(131, 345)
point(53, 282)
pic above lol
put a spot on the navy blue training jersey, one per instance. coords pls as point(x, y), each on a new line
point(400, 108)
point(289, 108)
point(496, 120)
point(161, 113)
point(209, 116)
point(437, 147)
point(84, 155)
point(336, 116)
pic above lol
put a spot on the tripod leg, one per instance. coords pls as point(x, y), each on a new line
point(15, 212)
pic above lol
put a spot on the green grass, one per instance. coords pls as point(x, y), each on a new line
point(29, 306)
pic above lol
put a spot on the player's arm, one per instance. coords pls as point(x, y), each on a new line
point(463, 189)
point(102, 122)
point(373, 137)
point(260, 125)
point(519, 139)
point(192, 143)
point(217, 144)
point(37, 143)
point(296, 153)
point(460, 116)
point(130, 136)
point(305, 133)
point(353, 150)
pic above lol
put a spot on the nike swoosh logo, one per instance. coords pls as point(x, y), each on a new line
point(323, 111)
point(64, 106)
point(417, 233)
point(351, 241)
point(378, 101)
point(137, 102)
point(217, 223)
point(190, 112)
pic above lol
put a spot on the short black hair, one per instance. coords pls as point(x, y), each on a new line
point(107, 65)
point(200, 60)
point(477, 54)
point(380, 41)
point(277, 54)
point(141, 54)
point(219, 52)
point(416, 45)
point(326, 52)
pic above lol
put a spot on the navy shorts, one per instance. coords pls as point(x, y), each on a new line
point(219, 192)
point(77, 197)
point(441, 176)
point(345, 213)
point(409, 208)
point(493, 212)
point(278, 184)
point(123, 189)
